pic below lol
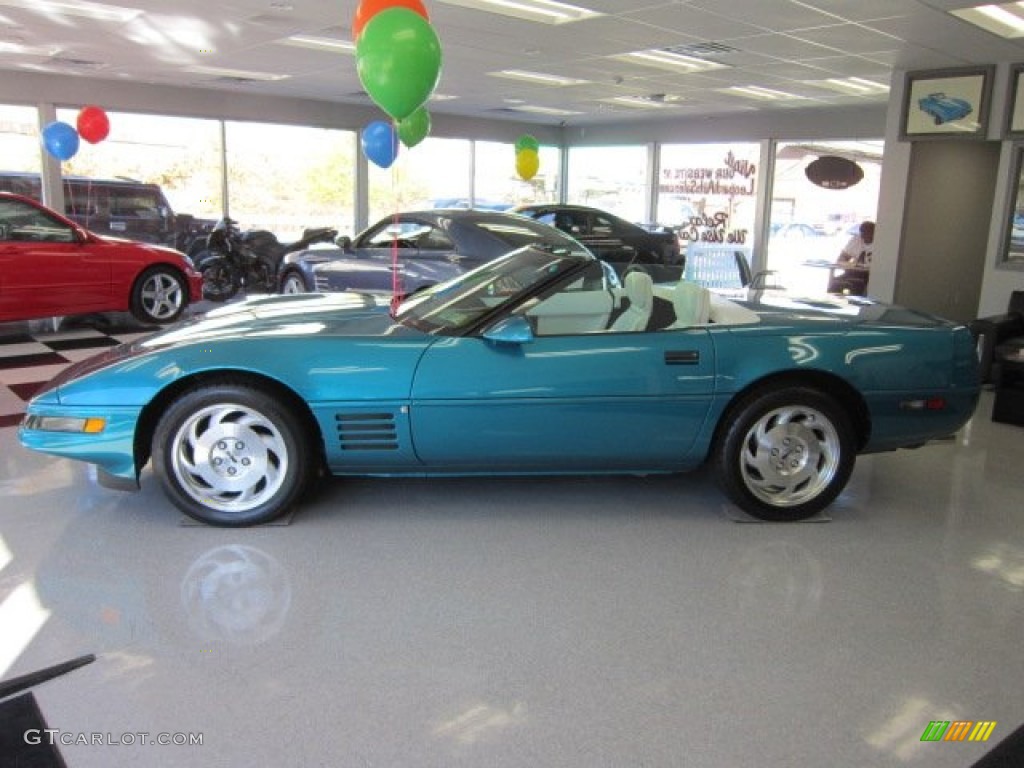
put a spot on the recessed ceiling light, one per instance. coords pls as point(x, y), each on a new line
point(545, 110)
point(673, 62)
point(242, 74)
point(319, 43)
point(543, 11)
point(538, 77)
point(1006, 20)
point(89, 10)
point(763, 94)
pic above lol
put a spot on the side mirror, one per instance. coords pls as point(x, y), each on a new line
point(344, 242)
point(510, 330)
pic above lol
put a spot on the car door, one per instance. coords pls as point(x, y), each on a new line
point(44, 267)
point(593, 400)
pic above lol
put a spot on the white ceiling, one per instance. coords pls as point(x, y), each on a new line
point(785, 45)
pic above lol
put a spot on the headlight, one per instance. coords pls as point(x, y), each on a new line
point(90, 426)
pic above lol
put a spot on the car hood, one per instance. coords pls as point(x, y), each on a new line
point(265, 317)
point(305, 314)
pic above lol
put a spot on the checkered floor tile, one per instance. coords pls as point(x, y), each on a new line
point(32, 353)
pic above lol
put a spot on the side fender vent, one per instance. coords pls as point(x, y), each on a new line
point(367, 431)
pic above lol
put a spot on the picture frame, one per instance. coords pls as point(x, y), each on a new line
point(946, 104)
point(1012, 253)
point(1015, 102)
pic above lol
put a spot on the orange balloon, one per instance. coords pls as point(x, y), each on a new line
point(367, 9)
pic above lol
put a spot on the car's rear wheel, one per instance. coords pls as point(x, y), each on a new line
point(785, 454)
point(231, 455)
point(293, 282)
point(159, 295)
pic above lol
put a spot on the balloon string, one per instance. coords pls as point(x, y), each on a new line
point(396, 275)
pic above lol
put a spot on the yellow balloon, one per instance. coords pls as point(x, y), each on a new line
point(527, 163)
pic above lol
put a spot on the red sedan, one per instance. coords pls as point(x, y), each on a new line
point(51, 267)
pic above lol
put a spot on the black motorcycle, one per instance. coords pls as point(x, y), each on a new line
point(234, 261)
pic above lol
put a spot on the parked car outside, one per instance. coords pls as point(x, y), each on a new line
point(622, 244)
point(431, 246)
point(530, 364)
point(943, 108)
point(117, 207)
point(52, 267)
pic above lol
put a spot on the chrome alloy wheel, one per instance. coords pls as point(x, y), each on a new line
point(162, 296)
point(229, 457)
point(790, 455)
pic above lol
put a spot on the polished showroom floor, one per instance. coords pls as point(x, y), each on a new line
point(520, 622)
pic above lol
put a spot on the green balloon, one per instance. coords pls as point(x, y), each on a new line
point(414, 129)
point(526, 141)
point(398, 59)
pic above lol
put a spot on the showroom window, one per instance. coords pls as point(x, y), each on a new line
point(497, 184)
point(433, 174)
point(286, 178)
point(810, 224)
point(613, 179)
point(19, 139)
point(182, 155)
point(708, 194)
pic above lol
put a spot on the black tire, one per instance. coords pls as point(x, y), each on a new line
point(159, 295)
point(785, 454)
point(292, 281)
point(231, 455)
point(220, 280)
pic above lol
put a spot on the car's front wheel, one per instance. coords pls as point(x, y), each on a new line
point(231, 455)
point(293, 282)
point(785, 454)
point(159, 296)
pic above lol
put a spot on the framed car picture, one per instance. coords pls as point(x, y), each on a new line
point(1015, 113)
point(948, 103)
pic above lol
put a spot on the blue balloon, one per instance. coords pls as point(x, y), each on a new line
point(60, 140)
point(380, 143)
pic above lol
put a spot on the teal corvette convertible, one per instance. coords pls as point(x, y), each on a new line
point(538, 362)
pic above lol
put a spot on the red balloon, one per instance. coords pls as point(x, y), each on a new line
point(93, 124)
point(367, 9)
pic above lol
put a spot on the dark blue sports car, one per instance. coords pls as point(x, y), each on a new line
point(533, 363)
point(407, 252)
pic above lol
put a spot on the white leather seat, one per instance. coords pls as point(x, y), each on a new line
point(640, 291)
point(692, 304)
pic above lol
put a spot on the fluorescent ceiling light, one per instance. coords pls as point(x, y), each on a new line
point(757, 92)
point(18, 49)
point(856, 86)
point(545, 110)
point(538, 77)
point(318, 43)
point(543, 11)
point(98, 11)
point(241, 74)
point(644, 102)
point(435, 96)
point(673, 62)
point(1006, 20)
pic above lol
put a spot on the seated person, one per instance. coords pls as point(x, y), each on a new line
point(857, 255)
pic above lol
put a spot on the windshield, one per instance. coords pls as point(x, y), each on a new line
point(457, 304)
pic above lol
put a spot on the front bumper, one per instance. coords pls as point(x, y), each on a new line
point(112, 450)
